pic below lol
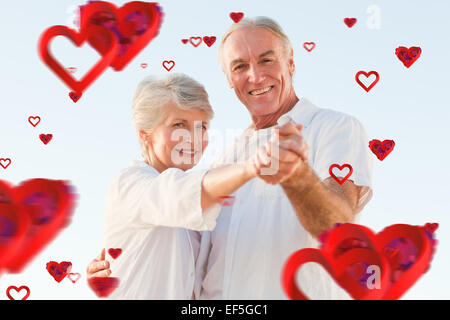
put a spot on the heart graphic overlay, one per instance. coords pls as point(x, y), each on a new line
point(25, 297)
point(184, 40)
point(34, 121)
point(209, 40)
point(226, 200)
point(381, 149)
point(350, 22)
point(59, 270)
point(236, 16)
point(171, 63)
point(134, 26)
point(309, 46)
point(143, 65)
point(404, 252)
point(74, 277)
point(40, 208)
point(46, 138)
point(408, 56)
point(103, 286)
point(195, 41)
point(114, 252)
point(340, 181)
point(75, 96)
point(78, 39)
point(367, 75)
point(5, 162)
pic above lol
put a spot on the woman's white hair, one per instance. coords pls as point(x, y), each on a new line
point(154, 95)
point(257, 22)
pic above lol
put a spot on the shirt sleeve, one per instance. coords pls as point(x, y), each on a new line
point(343, 140)
point(171, 199)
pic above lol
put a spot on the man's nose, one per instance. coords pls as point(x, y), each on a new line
point(256, 75)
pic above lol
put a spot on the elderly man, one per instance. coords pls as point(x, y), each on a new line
point(243, 257)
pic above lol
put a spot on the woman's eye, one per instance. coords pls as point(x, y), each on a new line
point(178, 124)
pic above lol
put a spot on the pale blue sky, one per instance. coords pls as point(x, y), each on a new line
point(94, 138)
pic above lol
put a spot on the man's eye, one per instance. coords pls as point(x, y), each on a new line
point(178, 124)
point(239, 67)
point(267, 60)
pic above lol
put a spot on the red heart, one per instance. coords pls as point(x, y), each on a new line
point(78, 39)
point(399, 277)
point(227, 200)
point(236, 16)
point(209, 40)
point(143, 65)
point(381, 149)
point(350, 22)
point(18, 290)
point(103, 286)
point(3, 162)
point(408, 56)
point(115, 252)
point(367, 75)
point(184, 40)
point(171, 62)
point(135, 25)
point(72, 69)
point(195, 41)
point(309, 46)
point(34, 120)
point(46, 138)
point(75, 96)
point(340, 181)
point(431, 227)
point(39, 209)
point(77, 276)
point(59, 270)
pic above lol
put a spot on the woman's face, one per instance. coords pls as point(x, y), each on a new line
point(179, 140)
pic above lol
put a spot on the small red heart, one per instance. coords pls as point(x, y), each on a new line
point(103, 286)
point(171, 62)
point(114, 252)
point(74, 277)
point(236, 16)
point(408, 56)
point(227, 200)
point(195, 41)
point(367, 75)
point(309, 46)
point(209, 40)
point(18, 290)
point(184, 40)
point(350, 22)
point(143, 65)
point(34, 120)
point(46, 138)
point(381, 149)
point(59, 270)
point(72, 69)
point(75, 96)
point(3, 162)
point(340, 181)
point(431, 227)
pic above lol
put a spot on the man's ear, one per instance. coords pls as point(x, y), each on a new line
point(291, 62)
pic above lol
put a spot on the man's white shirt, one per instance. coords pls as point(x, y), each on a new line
point(243, 257)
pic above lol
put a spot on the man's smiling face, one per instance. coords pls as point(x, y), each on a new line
point(258, 69)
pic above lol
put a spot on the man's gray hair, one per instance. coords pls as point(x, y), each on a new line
point(257, 22)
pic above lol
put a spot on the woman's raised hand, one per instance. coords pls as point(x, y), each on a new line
point(98, 267)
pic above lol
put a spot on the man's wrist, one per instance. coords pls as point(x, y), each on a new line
point(300, 179)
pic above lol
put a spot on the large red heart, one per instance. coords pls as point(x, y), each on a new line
point(25, 297)
point(381, 149)
point(134, 25)
point(367, 75)
point(335, 165)
point(37, 209)
point(78, 39)
point(337, 245)
point(59, 270)
point(408, 56)
point(103, 286)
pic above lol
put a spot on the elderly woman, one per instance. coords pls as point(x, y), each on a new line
point(154, 208)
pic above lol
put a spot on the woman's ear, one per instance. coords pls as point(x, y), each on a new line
point(143, 136)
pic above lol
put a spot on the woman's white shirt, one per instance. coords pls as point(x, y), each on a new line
point(148, 215)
